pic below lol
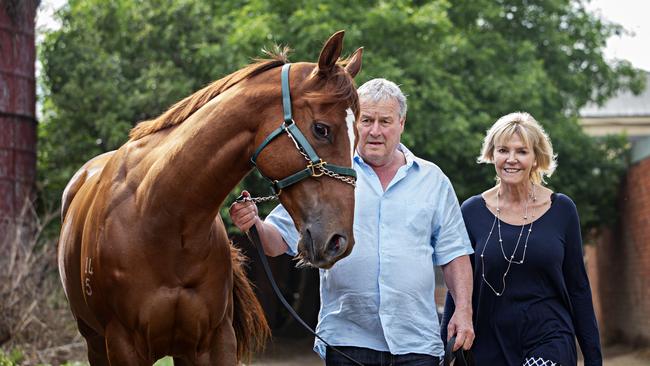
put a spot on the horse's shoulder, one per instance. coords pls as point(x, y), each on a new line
point(88, 170)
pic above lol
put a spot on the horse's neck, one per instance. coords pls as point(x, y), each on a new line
point(203, 159)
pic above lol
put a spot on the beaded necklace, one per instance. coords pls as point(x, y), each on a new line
point(510, 259)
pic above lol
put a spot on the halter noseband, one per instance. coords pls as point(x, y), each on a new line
point(316, 166)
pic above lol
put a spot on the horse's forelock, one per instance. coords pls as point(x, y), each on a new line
point(334, 87)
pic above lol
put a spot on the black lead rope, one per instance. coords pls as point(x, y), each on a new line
point(459, 358)
point(254, 237)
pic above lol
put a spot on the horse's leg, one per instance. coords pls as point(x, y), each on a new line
point(223, 350)
point(181, 362)
point(96, 345)
point(120, 347)
point(224, 345)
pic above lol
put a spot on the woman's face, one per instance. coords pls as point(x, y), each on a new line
point(513, 160)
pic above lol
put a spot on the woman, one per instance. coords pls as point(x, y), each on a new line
point(531, 292)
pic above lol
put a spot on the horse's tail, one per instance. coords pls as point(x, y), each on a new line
point(251, 329)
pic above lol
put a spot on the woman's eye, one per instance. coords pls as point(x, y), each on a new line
point(321, 130)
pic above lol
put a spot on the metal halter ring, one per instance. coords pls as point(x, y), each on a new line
point(318, 166)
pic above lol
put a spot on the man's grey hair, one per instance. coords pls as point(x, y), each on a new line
point(379, 89)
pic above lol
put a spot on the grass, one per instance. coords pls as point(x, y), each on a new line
point(167, 361)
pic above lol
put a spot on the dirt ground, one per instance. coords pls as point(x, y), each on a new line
point(297, 352)
point(289, 352)
point(619, 355)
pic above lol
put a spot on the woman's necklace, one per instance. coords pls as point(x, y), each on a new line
point(510, 259)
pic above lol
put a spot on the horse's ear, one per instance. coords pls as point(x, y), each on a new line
point(354, 63)
point(330, 52)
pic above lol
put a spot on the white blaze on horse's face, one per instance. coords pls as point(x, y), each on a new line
point(349, 120)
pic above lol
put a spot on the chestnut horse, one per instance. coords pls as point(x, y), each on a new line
point(144, 257)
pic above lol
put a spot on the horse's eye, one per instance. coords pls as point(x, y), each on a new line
point(321, 130)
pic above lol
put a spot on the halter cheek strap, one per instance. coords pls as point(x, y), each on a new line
point(316, 166)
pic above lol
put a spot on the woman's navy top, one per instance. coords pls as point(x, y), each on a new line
point(547, 299)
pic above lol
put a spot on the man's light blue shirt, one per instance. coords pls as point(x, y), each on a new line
point(382, 295)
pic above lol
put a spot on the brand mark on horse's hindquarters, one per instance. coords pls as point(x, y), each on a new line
point(88, 272)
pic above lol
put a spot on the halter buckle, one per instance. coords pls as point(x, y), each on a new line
point(274, 185)
point(319, 166)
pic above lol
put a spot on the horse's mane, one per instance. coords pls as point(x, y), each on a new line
point(343, 89)
point(180, 111)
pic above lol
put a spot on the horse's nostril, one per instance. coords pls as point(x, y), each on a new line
point(336, 243)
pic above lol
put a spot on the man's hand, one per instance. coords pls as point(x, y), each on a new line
point(460, 325)
point(244, 214)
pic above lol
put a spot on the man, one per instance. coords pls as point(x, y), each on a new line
point(377, 305)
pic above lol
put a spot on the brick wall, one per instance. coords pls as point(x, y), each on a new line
point(17, 108)
point(619, 264)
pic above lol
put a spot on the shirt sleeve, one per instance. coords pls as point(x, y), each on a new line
point(577, 282)
point(450, 238)
point(282, 221)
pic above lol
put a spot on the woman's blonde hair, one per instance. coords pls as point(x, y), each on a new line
point(531, 133)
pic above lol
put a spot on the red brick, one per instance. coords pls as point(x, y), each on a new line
point(619, 265)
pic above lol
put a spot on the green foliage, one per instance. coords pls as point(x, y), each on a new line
point(13, 358)
point(463, 64)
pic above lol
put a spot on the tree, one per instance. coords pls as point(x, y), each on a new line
point(463, 63)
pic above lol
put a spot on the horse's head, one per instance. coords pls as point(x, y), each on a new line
point(324, 107)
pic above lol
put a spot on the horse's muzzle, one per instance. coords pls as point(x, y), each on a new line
point(322, 253)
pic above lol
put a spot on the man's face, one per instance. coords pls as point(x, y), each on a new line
point(380, 128)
